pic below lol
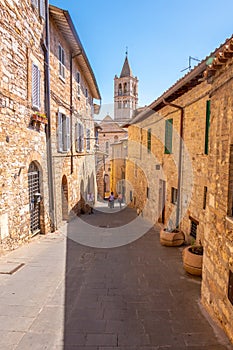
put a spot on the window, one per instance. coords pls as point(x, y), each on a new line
point(79, 139)
point(147, 192)
point(42, 8)
point(168, 136)
point(107, 147)
point(204, 197)
point(230, 184)
point(207, 127)
point(193, 228)
point(88, 139)
point(120, 89)
point(174, 195)
point(78, 84)
point(61, 58)
point(149, 140)
point(63, 133)
point(35, 87)
point(125, 88)
point(230, 287)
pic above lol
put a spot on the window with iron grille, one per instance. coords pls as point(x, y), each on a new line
point(79, 137)
point(193, 229)
point(61, 58)
point(174, 194)
point(149, 140)
point(63, 133)
point(204, 197)
point(35, 87)
point(168, 136)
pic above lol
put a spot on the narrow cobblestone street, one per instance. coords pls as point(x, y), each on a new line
point(134, 297)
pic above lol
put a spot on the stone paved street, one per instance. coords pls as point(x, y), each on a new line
point(70, 296)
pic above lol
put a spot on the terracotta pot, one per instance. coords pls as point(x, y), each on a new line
point(171, 239)
point(192, 263)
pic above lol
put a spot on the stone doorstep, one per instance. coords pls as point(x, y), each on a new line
point(9, 267)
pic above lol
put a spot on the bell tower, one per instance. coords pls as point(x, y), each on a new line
point(125, 94)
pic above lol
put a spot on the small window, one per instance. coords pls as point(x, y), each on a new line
point(230, 287)
point(131, 196)
point(120, 89)
point(88, 140)
point(125, 88)
point(193, 229)
point(78, 84)
point(107, 147)
point(63, 133)
point(204, 197)
point(61, 58)
point(174, 195)
point(79, 140)
point(35, 87)
point(168, 136)
point(147, 193)
point(149, 140)
point(207, 127)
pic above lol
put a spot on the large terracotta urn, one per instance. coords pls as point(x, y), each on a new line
point(171, 239)
point(192, 260)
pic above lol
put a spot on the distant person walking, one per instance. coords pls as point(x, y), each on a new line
point(120, 199)
point(111, 200)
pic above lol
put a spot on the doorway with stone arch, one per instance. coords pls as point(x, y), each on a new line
point(64, 198)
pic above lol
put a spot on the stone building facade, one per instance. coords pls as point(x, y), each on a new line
point(180, 168)
point(46, 120)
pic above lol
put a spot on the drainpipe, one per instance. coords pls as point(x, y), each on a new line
point(46, 48)
point(71, 116)
point(178, 209)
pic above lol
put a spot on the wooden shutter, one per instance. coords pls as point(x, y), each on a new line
point(67, 134)
point(207, 127)
point(35, 86)
point(42, 9)
point(88, 140)
point(168, 136)
point(34, 3)
point(59, 133)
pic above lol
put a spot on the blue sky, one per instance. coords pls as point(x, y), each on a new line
point(160, 35)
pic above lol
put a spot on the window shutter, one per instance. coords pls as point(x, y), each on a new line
point(59, 133)
point(88, 143)
point(76, 137)
point(34, 3)
point(168, 136)
point(67, 134)
point(42, 9)
point(35, 86)
point(207, 127)
point(82, 138)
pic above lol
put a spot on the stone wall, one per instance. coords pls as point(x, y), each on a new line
point(219, 227)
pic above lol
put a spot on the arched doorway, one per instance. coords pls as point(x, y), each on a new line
point(64, 196)
point(34, 197)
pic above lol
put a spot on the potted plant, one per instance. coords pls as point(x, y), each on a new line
point(39, 117)
point(192, 259)
point(171, 236)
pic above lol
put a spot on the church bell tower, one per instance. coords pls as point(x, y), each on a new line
point(125, 94)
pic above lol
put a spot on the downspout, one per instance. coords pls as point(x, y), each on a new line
point(178, 209)
point(46, 48)
point(71, 116)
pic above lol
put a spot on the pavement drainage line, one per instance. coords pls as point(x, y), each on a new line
point(10, 272)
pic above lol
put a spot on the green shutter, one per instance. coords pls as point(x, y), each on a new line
point(168, 136)
point(207, 127)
